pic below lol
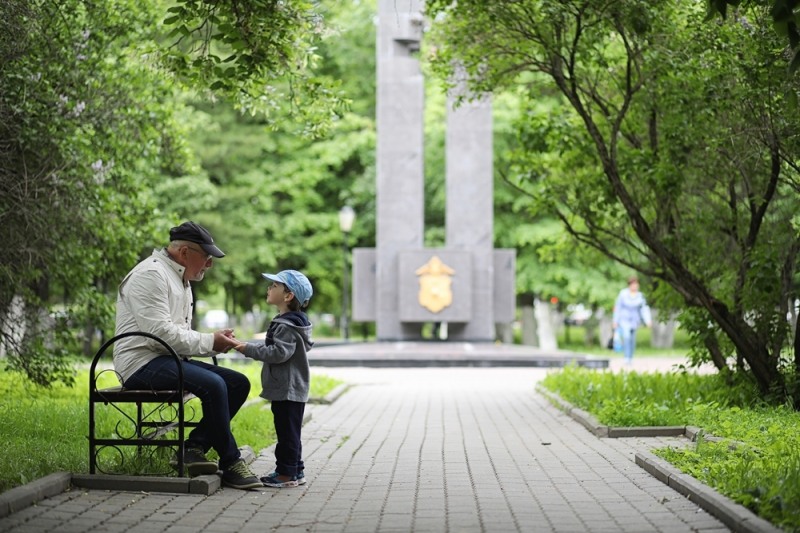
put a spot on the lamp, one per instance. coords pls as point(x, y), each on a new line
point(346, 218)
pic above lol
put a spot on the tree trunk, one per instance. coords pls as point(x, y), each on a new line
point(748, 347)
point(12, 327)
point(504, 333)
point(797, 364)
point(529, 333)
point(545, 326)
point(605, 327)
point(593, 327)
point(663, 335)
point(712, 345)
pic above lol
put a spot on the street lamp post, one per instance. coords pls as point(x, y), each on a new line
point(346, 218)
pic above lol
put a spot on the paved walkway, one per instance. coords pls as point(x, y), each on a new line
point(416, 450)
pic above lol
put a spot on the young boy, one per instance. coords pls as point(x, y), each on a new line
point(285, 376)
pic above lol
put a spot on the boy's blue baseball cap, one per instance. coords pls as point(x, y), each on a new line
point(296, 282)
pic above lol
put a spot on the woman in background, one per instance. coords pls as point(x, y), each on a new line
point(630, 311)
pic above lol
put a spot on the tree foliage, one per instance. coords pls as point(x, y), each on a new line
point(259, 54)
point(80, 137)
point(549, 262)
point(784, 15)
point(94, 160)
point(282, 190)
point(671, 154)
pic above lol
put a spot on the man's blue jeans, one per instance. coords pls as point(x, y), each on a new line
point(222, 392)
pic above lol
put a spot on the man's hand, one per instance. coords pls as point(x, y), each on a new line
point(224, 340)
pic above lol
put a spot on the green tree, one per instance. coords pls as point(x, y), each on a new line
point(280, 189)
point(549, 263)
point(677, 153)
point(784, 17)
point(80, 138)
point(258, 54)
point(95, 166)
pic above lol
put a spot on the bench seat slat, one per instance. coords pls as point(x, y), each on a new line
point(119, 394)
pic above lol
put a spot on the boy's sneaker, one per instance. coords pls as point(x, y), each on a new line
point(274, 480)
point(195, 462)
point(239, 476)
point(301, 477)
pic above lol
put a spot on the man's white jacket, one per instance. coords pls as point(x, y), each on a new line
point(154, 298)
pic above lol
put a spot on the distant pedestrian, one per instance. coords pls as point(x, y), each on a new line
point(285, 377)
point(630, 311)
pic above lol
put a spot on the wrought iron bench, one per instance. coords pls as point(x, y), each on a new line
point(158, 413)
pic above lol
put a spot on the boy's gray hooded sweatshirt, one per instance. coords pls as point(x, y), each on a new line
point(285, 375)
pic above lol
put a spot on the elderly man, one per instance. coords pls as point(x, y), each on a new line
point(156, 297)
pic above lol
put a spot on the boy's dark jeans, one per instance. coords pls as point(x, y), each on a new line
point(288, 419)
point(222, 392)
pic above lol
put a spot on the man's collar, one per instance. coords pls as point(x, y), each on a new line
point(170, 261)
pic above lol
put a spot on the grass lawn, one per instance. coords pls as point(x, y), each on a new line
point(45, 430)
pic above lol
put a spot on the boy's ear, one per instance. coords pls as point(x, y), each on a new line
point(287, 296)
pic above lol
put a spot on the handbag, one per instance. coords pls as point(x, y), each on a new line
point(616, 340)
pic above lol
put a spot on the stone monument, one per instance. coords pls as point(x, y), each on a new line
point(400, 284)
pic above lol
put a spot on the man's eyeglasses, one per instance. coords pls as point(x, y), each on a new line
point(201, 252)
